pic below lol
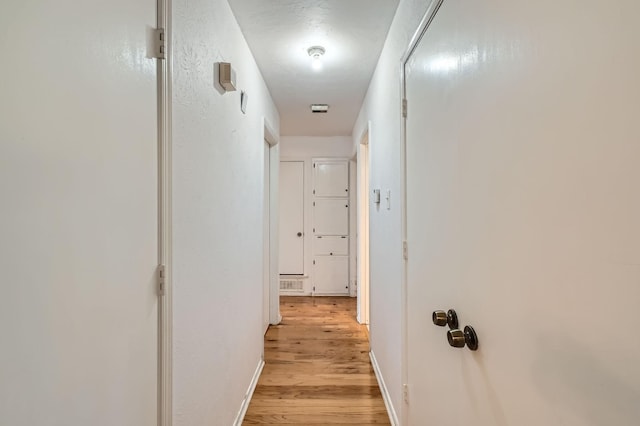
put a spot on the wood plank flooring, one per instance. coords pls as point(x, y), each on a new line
point(317, 369)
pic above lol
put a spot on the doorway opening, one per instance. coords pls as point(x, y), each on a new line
point(271, 274)
point(363, 229)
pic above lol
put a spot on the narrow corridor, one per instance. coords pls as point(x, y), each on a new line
point(317, 368)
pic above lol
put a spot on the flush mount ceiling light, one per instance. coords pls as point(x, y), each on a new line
point(316, 53)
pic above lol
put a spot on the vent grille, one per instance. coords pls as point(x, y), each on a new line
point(319, 108)
point(291, 285)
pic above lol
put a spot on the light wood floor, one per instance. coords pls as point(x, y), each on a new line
point(317, 368)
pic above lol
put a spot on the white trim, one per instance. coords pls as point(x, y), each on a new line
point(165, 232)
point(272, 139)
point(247, 397)
point(269, 134)
point(353, 227)
point(362, 228)
point(393, 417)
point(428, 17)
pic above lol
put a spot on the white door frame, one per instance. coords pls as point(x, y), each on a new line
point(266, 237)
point(165, 247)
point(271, 137)
point(363, 188)
point(415, 40)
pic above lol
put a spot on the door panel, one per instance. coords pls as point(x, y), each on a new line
point(291, 193)
point(331, 274)
point(331, 178)
point(522, 214)
point(79, 228)
point(331, 217)
point(338, 246)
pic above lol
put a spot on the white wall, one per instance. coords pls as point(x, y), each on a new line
point(305, 148)
point(382, 107)
point(217, 208)
point(78, 228)
point(563, 163)
point(316, 146)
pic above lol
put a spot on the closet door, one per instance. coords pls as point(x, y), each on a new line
point(331, 274)
point(331, 226)
point(331, 178)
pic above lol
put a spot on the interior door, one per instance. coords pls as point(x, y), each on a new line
point(79, 228)
point(522, 209)
point(433, 280)
point(291, 193)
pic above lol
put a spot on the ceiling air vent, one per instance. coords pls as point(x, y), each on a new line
point(319, 108)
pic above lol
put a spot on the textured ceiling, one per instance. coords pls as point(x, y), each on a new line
point(279, 32)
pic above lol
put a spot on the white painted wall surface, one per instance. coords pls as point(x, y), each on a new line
point(305, 148)
point(78, 235)
point(579, 169)
point(316, 146)
point(218, 157)
point(382, 108)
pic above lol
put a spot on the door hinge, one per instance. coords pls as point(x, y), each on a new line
point(405, 250)
point(314, 229)
point(314, 166)
point(314, 262)
point(405, 393)
point(314, 204)
point(404, 108)
point(161, 280)
point(160, 47)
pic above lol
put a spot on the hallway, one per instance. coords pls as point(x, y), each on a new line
point(317, 367)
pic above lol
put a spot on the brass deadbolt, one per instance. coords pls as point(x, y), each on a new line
point(442, 318)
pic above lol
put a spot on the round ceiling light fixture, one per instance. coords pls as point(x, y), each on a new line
point(316, 53)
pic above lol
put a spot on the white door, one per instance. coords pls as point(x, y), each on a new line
point(331, 216)
point(291, 193)
point(266, 241)
point(79, 228)
point(331, 275)
point(522, 214)
point(331, 178)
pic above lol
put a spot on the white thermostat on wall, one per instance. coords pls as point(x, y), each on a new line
point(226, 76)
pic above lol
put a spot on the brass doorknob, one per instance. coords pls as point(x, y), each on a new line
point(456, 338)
point(459, 338)
point(439, 318)
point(442, 318)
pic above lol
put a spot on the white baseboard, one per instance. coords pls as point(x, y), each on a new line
point(393, 417)
point(247, 398)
